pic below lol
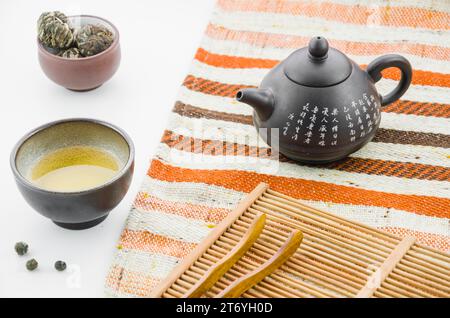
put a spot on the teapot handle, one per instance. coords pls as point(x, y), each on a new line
point(391, 60)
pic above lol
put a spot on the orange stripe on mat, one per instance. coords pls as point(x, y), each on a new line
point(246, 181)
point(440, 242)
point(207, 214)
point(353, 14)
point(228, 61)
point(154, 243)
point(262, 39)
point(418, 108)
point(130, 282)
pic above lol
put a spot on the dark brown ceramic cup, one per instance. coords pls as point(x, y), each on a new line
point(85, 73)
point(81, 209)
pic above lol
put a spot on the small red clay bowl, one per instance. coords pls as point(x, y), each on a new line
point(85, 73)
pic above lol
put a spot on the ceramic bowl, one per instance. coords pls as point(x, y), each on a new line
point(85, 73)
point(74, 210)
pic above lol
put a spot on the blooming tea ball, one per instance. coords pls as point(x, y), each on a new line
point(93, 39)
point(54, 30)
point(72, 53)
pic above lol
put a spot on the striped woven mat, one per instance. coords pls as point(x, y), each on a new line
point(210, 155)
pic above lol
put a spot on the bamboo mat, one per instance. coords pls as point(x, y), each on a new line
point(272, 245)
point(210, 155)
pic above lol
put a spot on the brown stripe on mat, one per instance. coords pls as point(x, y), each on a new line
point(197, 112)
point(382, 135)
point(206, 86)
point(357, 165)
point(412, 138)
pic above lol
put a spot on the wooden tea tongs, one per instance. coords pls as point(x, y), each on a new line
point(244, 283)
point(206, 271)
point(215, 272)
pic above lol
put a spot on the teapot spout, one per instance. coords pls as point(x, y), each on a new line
point(261, 100)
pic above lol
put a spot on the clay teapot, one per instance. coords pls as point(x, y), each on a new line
point(324, 105)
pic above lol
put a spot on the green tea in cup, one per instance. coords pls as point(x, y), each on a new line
point(74, 169)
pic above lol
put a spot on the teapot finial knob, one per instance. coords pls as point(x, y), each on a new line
point(318, 48)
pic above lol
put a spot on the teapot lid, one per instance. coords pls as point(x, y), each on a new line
point(317, 65)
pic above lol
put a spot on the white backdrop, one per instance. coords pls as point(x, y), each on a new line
point(158, 40)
